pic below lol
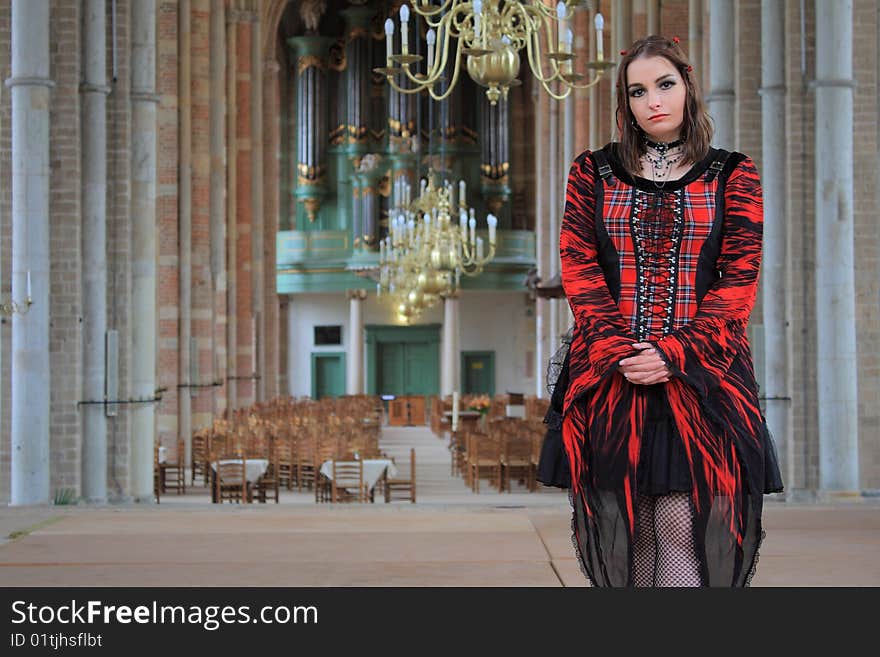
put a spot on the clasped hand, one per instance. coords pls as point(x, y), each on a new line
point(646, 367)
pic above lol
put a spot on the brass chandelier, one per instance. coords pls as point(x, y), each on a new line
point(490, 34)
point(422, 258)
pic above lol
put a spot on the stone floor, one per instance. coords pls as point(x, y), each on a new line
point(451, 537)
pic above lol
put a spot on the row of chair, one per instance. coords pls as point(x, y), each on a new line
point(508, 449)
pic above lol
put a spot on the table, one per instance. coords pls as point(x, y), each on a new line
point(374, 470)
point(253, 470)
point(474, 417)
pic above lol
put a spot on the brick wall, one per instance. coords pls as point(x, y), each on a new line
point(208, 313)
point(747, 81)
point(202, 285)
point(168, 281)
point(119, 248)
point(245, 361)
point(65, 289)
point(800, 113)
point(5, 246)
point(867, 231)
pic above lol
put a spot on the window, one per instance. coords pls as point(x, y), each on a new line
point(328, 335)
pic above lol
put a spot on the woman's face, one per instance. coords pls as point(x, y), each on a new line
point(657, 97)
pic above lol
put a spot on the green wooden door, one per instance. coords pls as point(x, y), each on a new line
point(328, 375)
point(418, 373)
point(478, 372)
point(406, 368)
point(391, 368)
point(403, 360)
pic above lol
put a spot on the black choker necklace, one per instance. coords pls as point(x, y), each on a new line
point(661, 160)
point(662, 147)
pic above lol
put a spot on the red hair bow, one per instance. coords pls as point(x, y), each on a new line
point(623, 52)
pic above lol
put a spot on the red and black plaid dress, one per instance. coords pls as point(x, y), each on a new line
point(677, 267)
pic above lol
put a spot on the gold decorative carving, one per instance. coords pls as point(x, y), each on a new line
point(337, 135)
point(308, 61)
point(384, 186)
point(357, 134)
point(338, 59)
point(312, 205)
point(495, 203)
point(357, 32)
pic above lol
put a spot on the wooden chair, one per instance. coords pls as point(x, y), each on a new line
point(199, 456)
point(323, 488)
point(307, 464)
point(230, 482)
point(347, 484)
point(173, 470)
point(284, 456)
point(157, 473)
point(516, 457)
point(404, 489)
point(483, 454)
point(268, 483)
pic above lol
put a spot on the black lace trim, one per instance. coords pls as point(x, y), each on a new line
point(579, 557)
point(754, 566)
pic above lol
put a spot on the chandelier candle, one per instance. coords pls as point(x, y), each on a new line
point(600, 24)
point(389, 42)
point(431, 37)
point(560, 35)
point(404, 36)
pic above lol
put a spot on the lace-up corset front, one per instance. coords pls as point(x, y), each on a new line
point(656, 225)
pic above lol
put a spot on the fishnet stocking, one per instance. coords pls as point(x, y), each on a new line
point(664, 553)
point(645, 547)
point(677, 563)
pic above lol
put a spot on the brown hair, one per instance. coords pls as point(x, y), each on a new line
point(696, 129)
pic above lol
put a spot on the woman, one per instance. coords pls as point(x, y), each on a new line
point(660, 243)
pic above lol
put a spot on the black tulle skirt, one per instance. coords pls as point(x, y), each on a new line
point(663, 465)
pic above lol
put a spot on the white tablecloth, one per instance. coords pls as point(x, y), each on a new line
point(373, 469)
point(254, 468)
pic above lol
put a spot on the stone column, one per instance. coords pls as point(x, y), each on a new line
point(695, 36)
point(143, 244)
point(291, 351)
point(621, 26)
point(542, 246)
point(449, 375)
point(231, 214)
point(836, 361)
point(722, 97)
point(257, 222)
point(94, 92)
point(563, 311)
point(776, 261)
point(355, 370)
point(31, 378)
point(184, 226)
point(652, 16)
point(593, 92)
point(218, 189)
point(557, 179)
point(271, 180)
